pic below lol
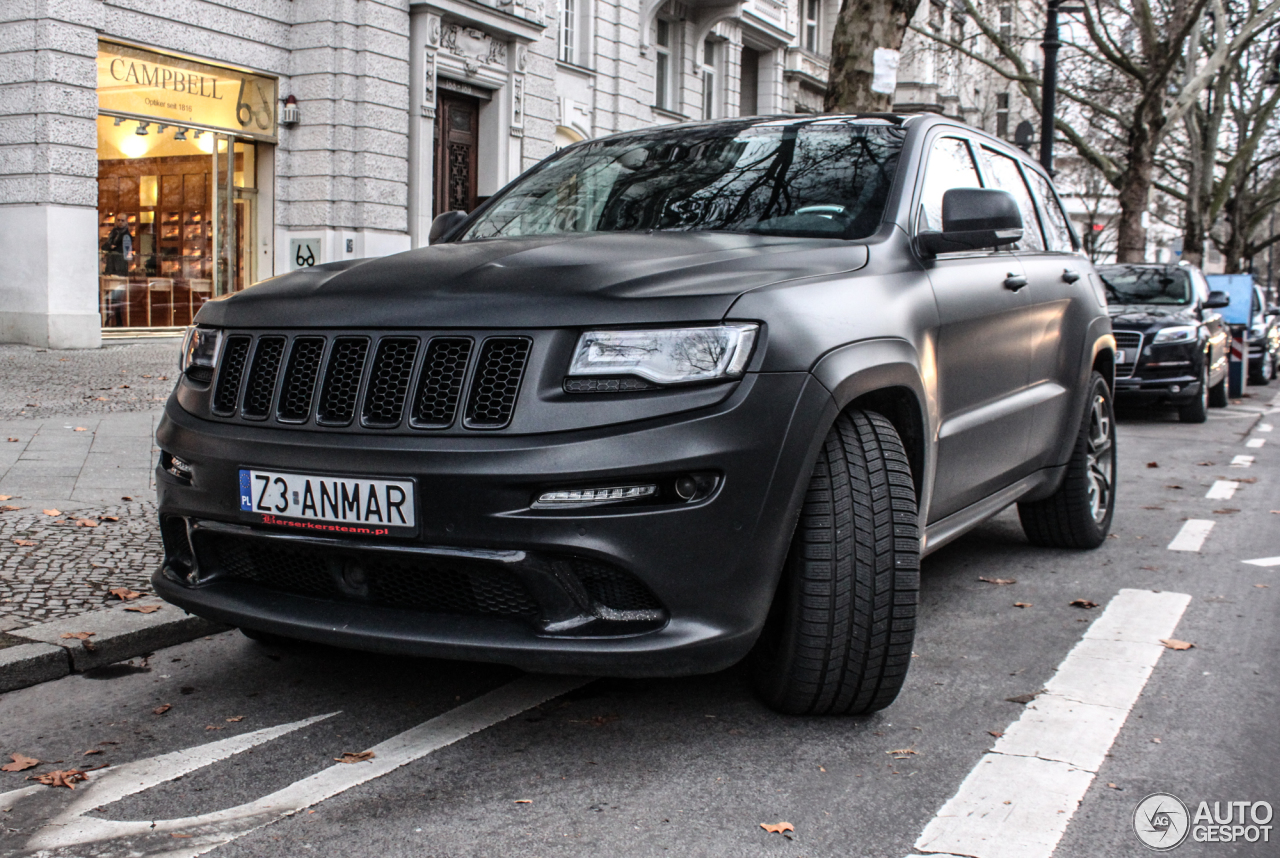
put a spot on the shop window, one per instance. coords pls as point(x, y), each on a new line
point(176, 208)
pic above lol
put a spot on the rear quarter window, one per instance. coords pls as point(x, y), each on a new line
point(1057, 231)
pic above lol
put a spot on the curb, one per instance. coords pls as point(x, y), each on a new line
point(115, 635)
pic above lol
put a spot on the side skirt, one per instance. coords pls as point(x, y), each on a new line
point(962, 521)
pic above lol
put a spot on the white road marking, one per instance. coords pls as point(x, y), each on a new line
point(1265, 427)
point(1222, 489)
point(1261, 561)
point(1018, 800)
point(1192, 535)
point(89, 836)
point(1255, 443)
point(1242, 461)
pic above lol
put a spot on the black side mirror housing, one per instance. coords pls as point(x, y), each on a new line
point(1217, 300)
point(443, 225)
point(973, 219)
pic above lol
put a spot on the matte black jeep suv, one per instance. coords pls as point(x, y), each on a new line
point(1171, 347)
point(670, 398)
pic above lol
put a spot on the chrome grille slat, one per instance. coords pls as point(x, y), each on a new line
point(1129, 342)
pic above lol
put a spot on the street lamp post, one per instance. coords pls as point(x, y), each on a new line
point(1049, 90)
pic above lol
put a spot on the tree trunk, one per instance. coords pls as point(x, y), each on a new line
point(863, 26)
point(1135, 183)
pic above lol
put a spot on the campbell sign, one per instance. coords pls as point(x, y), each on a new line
point(146, 85)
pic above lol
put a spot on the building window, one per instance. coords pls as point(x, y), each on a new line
point(811, 13)
point(1002, 115)
point(1006, 23)
point(937, 15)
point(663, 66)
point(710, 53)
point(568, 31)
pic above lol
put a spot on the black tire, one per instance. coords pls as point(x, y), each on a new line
point(1197, 410)
point(839, 634)
point(1266, 371)
point(1218, 394)
point(1078, 514)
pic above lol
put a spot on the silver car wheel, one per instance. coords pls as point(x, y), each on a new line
point(1101, 459)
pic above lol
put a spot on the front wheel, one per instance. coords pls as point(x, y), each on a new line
point(1218, 394)
point(839, 633)
point(1078, 514)
point(1197, 410)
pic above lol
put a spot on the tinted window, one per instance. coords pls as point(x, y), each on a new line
point(1004, 170)
point(1056, 229)
point(950, 166)
point(1133, 284)
point(826, 180)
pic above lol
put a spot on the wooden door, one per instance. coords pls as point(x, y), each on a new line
point(457, 127)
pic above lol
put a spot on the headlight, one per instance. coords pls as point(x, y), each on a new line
point(668, 355)
point(200, 349)
point(1176, 334)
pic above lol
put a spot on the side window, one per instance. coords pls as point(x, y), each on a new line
point(1056, 229)
point(1008, 177)
point(950, 166)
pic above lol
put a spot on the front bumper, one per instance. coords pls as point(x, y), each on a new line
point(711, 565)
point(1154, 391)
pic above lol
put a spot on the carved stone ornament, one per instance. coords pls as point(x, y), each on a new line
point(522, 58)
point(433, 30)
point(429, 75)
point(473, 46)
point(517, 101)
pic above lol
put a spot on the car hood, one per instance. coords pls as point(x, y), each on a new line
point(611, 278)
point(1141, 316)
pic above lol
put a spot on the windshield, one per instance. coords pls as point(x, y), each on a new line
point(1131, 284)
point(827, 180)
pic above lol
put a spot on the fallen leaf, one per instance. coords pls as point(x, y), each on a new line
point(354, 757)
point(996, 733)
point(1263, 586)
point(1225, 511)
point(124, 594)
point(81, 429)
point(178, 836)
point(63, 778)
point(146, 376)
point(1150, 568)
point(80, 636)
point(777, 827)
point(1153, 464)
point(1083, 603)
point(902, 753)
point(108, 518)
point(1173, 486)
point(1174, 643)
point(1113, 786)
point(1022, 604)
point(6, 497)
point(160, 710)
point(235, 718)
point(216, 727)
point(1153, 507)
point(143, 609)
point(1156, 739)
point(51, 511)
point(86, 522)
point(92, 751)
point(25, 543)
point(998, 581)
point(1024, 699)
point(20, 763)
point(9, 508)
point(1248, 481)
point(126, 498)
point(524, 801)
point(1204, 464)
point(13, 440)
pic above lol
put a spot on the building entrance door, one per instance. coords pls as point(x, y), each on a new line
point(457, 133)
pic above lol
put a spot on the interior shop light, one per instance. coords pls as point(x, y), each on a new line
point(142, 129)
point(179, 135)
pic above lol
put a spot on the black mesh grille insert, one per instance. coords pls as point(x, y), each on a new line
point(615, 588)
point(300, 378)
point(440, 385)
point(342, 380)
point(261, 388)
point(230, 373)
point(426, 584)
point(389, 381)
point(497, 381)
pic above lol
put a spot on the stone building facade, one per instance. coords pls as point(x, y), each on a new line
point(156, 155)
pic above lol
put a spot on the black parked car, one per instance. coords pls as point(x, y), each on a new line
point(1264, 339)
point(672, 397)
point(1171, 348)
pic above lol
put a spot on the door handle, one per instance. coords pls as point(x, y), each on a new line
point(1014, 281)
point(1070, 275)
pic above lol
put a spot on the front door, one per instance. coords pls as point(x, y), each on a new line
point(457, 132)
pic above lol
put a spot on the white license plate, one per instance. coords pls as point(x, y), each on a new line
point(329, 505)
point(1120, 356)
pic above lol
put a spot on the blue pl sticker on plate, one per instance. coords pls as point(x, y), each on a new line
point(246, 493)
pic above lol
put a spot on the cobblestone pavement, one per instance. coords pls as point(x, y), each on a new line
point(42, 383)
point(52, 567)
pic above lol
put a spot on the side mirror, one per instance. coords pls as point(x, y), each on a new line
point(1217, 300)
point(443, 225)
point(973, 219)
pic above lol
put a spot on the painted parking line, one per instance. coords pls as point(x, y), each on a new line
point(1242, 461)
point(1265, 427)
point(1192, 535)
point(1222, 490)
point(72, 832)
point(1019, 799)
point(1263, 561)
point(1255, 443)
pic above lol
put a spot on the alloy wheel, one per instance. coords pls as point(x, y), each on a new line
point(1101, 459)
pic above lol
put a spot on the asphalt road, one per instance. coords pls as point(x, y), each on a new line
point(693, 766)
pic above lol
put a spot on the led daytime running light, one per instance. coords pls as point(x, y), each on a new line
point(585, 497)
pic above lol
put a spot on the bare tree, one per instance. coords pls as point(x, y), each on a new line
point(1126, 85)
point(863, 26)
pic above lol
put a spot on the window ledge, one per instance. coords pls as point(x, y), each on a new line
point(669, 114)
point(585, 71)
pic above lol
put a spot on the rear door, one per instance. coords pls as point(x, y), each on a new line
point(985, 340)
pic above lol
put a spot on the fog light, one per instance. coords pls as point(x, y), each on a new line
point(591, 497)
point(1175, 388)
point(686, 487)
point(177, 467)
